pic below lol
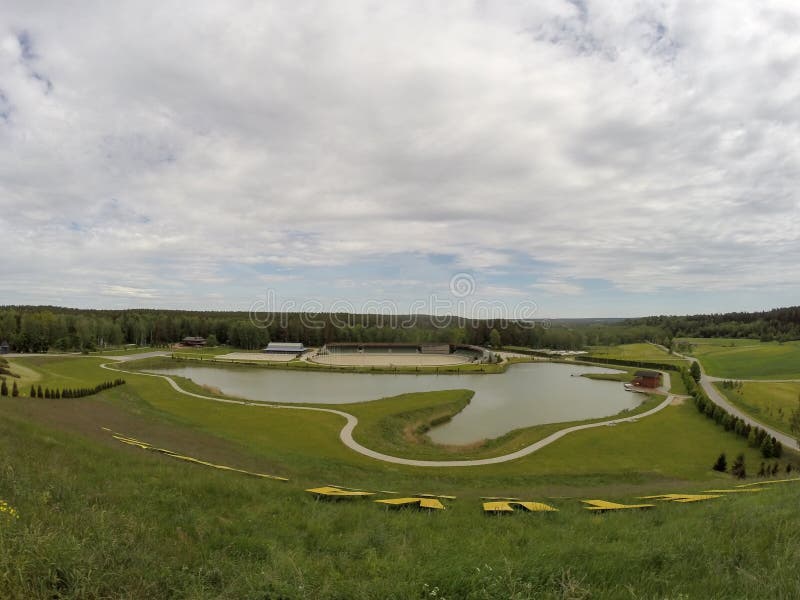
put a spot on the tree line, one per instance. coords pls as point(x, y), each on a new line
point(38, 329)
point(779, 324)
point(81, 392)
point(756, 437)
point(42, 328)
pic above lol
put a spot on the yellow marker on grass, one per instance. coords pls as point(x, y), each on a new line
point(604, 505)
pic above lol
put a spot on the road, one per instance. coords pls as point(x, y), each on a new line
point(346, 433)
point(707, 383)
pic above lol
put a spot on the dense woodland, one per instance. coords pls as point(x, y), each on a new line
point(42, 328)
point(779, 324)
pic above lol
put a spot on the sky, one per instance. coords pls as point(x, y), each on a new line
point(563, 158)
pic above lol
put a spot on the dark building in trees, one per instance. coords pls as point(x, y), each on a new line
point(194, 341)
point(648, 379)
point(4, 347)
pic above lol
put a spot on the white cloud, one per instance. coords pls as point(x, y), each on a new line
point(652, 145)
point(556, 287)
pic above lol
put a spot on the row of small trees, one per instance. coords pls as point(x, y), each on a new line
point(739, 470)
point(39, 392)
point(756, 437)
point(4, 388)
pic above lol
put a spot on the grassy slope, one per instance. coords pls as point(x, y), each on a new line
point(106, 521)
point(644, 352)
point(749, 359)
point(770, 403)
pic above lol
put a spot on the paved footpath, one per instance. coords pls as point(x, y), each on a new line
point(707, 383)
point(346, 434)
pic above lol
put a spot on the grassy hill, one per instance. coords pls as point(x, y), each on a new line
point(103, 519)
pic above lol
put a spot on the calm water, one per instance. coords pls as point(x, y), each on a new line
point(527, 394)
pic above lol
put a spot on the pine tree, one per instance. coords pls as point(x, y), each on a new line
point(751, 438)
point(33, 392)
point(777, 448)
point(694, 370)
point(766, 447)
point(762, 470)
point(3, 388)
point(14, 390)
point(738, 469)
point(40, 392)
point(722, 464)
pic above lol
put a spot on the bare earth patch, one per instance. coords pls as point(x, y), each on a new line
point(260, 356)
point(390, 359)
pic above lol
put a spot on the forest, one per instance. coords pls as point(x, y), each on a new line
point(43, 328)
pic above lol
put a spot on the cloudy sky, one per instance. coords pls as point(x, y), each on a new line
point(594, 158)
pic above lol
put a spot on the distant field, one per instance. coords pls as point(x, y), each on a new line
point(770, 403)
point(643, 352)
point(748, 359)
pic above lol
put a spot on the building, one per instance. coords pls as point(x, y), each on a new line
point(285, 348)
point(194, 341)
point(5, 348)
point(648, 379)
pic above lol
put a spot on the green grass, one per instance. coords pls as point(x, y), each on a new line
point(59, 371)
point(748, 359)
point(99, 519)
point(162, 529)
point(642, 352)
point(770, 403)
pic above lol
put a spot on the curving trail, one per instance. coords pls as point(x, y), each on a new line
point(707, 383)
point(346, 434)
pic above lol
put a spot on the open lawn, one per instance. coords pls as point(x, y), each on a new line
point(748, 359)
point(770, 403)
point(643, 352)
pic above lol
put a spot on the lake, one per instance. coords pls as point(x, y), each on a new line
point(526, 394)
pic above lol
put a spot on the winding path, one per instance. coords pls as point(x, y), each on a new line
point(707, 383)
point(346, 434)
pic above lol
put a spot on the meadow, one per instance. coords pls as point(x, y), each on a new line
point(103, 519)
point(770, 403)
point(747, 359)
point(641, 351)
